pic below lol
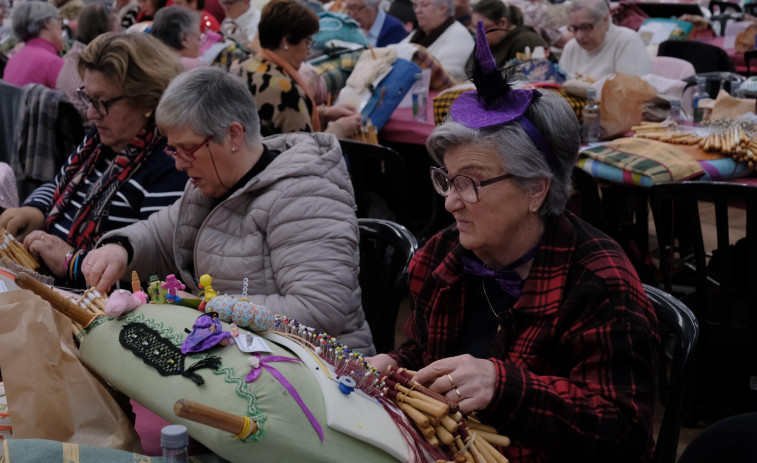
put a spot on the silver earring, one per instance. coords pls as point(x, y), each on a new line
point(286, 47)
point(233, 149)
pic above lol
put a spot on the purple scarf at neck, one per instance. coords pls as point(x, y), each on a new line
point(507, 278)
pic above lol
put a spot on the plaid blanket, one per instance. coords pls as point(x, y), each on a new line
point(440, 80)
point(336, 70)
point(662, 162)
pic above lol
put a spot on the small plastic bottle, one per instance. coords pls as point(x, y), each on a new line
point(675, 111)
point(699, 112)
point(174, 441)
point(590, 131)
point(420, 97)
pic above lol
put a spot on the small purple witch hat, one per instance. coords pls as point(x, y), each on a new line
point(495, 102)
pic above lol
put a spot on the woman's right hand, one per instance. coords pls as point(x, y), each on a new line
point(20, 221)
point(104, 266)
point(381, 361)
point(346, 126)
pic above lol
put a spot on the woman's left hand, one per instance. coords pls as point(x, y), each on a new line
point(465, 379)
point(338, 111)
point(51, 249)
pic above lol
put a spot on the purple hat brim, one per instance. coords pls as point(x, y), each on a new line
point(470, 112)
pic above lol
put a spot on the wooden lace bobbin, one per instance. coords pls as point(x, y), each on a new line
point(93, 301)
point(57, 301)
point(241, 427)
point(15, 252)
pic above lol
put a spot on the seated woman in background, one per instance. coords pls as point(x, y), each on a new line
point(277, 211)
point(523, 312)
point(505, 31)
point(148, 9)
point(444, 37)
point(120, 173)
point(38, 25)
point(285, 103)
point(95, 19)
point(207, 20)
point(599, 47)
point(179, 28)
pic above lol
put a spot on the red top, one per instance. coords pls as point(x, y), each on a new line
point(208, 21)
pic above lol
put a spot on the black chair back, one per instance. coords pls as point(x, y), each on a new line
point(723, 300)
point(679, 324)
point(703, 56)
point(751, 9)
point(728, 440)
point(722, 15)
point(379, 178)
point(385, 252)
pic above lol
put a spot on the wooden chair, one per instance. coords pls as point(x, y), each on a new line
point(385, 252)
point(723, 300)
point(677, 323)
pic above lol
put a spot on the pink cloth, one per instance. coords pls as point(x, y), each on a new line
point(402, 128)
point(37, 63)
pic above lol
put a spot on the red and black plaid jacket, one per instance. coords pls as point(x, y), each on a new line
point(576, 381)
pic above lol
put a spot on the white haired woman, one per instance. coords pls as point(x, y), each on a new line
point(380, 28)
point(524, 313)
point(38, 25)
point(179, 28)
point(444, 37)
point(279, 212)
point(599, 47)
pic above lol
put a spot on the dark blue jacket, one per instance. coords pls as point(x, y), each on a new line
point(391, 32)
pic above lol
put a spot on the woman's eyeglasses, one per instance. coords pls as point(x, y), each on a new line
point(189, 155)
point(101, 106)
point(467, 187)
point(585, 27)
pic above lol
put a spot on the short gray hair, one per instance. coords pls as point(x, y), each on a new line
point(450, 6)
point(372, 4)
point(598, 9)
point(172, 22)
point(557, 123)
point(29, 18)
point(207, 101)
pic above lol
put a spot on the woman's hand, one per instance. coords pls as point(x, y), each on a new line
point(51, 249)
point(381, 361)
point(465, 379)
point(104, 266)
point(20, 221)
point(345, 127)
point(333, 113)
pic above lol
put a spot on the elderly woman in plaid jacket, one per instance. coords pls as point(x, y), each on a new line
point(524, 313)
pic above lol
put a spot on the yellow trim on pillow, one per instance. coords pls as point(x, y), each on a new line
point(70, 453)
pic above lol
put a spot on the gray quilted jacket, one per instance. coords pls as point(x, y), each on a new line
point(291, 230)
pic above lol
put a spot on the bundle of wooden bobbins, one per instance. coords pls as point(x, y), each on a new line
point(14, 251)
point(727, 137)
point(441, 424)
point(366, 134)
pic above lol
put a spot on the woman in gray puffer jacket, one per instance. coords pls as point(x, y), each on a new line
point(278, 211)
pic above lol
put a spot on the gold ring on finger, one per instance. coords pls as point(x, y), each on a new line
point(451, 382)
point(459, 395)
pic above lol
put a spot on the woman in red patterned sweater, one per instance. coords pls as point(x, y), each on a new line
point(523, 312)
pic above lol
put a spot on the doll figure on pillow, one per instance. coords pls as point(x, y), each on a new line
point(207, 331)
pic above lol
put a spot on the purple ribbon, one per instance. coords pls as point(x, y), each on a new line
point(507, 278)
point(253, 375)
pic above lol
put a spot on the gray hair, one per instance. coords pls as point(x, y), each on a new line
point(557, 123)
point(372, 4)
point(207, 101)
point(598, 9)
point(29, 18)
point(172, 22)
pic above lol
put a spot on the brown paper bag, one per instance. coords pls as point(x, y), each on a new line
point(621, 104)
point(728, 106)
point(51, 395)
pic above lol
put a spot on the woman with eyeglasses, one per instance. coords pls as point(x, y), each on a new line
point(284, 100)
point(444, 37)
point(599, 47)
point(37, 24)
point(505, 32)
point(523, 312)
point(120, 173)
point(276, 211)
point(179, 28)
